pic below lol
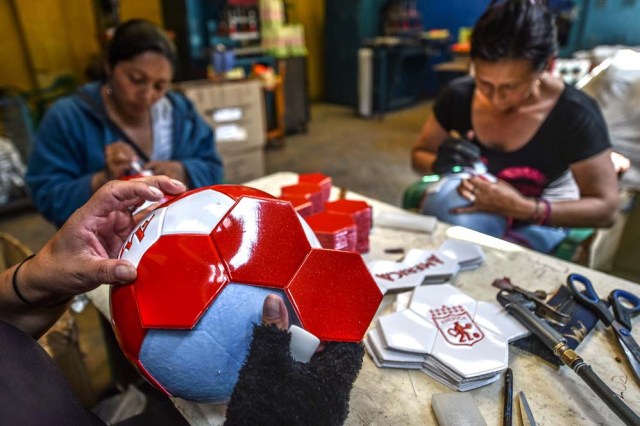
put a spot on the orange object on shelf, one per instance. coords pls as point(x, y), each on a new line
point(461, 48)
point(275, 84)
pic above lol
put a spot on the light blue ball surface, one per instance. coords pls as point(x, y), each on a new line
point(440, 203)
point(202, 364)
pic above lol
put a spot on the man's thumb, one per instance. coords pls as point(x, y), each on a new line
point(111, 271)
point(274, 312)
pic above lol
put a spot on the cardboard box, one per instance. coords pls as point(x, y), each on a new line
point(244, 166)
point(234, 109)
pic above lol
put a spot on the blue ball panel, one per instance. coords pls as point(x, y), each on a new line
point(440, 203)
point(202, 364)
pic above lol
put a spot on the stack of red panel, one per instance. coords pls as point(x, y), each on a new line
point(360, 213)
point(334, 230)
point(300, 203)
point(323, 181)
point(311, 191)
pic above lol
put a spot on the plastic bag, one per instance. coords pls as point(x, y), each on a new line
point(12, 171)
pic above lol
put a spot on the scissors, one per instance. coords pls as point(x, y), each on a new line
point(625, 306)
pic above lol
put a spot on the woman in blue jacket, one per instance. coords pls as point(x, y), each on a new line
point(117, 127)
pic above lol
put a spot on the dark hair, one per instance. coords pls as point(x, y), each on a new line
point(137, 36)
point(515, 29)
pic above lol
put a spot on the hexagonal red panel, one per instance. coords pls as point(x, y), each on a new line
point(329, 223)
point(311, 191)
point(334, 295)
point(261, 242)
point(319, 179)
point(300, 203)
point(125, 316)
point(237, 191)
point(347, 206)
point(178, 277)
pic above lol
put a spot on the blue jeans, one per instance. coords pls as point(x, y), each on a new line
point(544, 239)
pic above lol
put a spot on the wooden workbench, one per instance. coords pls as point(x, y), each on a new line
point(403, 397)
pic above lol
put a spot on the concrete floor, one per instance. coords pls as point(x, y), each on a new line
point(369, 156)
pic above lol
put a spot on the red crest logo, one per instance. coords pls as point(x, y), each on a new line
point(456, 325)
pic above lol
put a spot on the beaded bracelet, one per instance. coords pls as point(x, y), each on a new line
point(16, 289)
point(541, 217)
point(547, 212)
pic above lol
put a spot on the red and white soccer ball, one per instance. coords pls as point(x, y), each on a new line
point(206, 260)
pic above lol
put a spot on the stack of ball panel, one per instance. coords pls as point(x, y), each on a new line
point(334, 230)
point(361, 214)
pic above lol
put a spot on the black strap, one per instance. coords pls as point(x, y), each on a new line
point(100, 111)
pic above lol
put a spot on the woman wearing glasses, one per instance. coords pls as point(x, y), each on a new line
point(545, 142)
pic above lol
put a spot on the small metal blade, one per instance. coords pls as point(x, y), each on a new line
point(635, 365)
point(525, 411)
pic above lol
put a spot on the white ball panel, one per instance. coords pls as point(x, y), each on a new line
point(311, 236)
point(198, 213)
point(143, 236)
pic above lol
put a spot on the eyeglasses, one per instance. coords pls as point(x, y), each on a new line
point(504, 90)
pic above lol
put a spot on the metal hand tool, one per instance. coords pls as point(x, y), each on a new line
point(515, 304)
point(625, 306)
point(538, 297)
point(525, 411)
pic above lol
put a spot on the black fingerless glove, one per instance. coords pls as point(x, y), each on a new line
point(273, 389)
point(455, 152)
